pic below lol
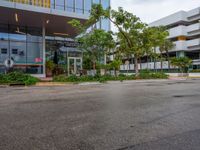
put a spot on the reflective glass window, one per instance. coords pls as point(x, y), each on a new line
point(79, 6)
point(105, 3)
point(53, 4)
point(96, 1)
point(87, 8)
point(3, 32)
point(23, 46)
point(60, 4)
point(4, 51)
point(17, 33)
point(4, 45)
point(105, 24)
point(15, 48)
point(14, 51)
point(70, 4)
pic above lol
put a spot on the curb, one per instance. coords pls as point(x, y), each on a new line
point(40, 84)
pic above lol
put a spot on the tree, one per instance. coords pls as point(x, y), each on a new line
point(165, 47)
point(115, 65)
point(182, 63)
point(158, 37)
point(95, 43)
point(130, 31)
point(135, 38)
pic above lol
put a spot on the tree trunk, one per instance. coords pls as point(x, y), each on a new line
point(154, 59)
point(94, 65)
point(168, 60)
point(161, 63)
point(115, 72)
point(136, 66)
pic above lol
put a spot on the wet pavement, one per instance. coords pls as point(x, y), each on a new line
point(135, 115)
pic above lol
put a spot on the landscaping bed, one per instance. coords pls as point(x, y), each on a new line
point(97, 78)
point(17, 78)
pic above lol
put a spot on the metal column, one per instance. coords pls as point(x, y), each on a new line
point(44, 50)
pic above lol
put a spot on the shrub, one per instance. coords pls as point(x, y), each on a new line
point(18, 78)
point(195, 71)
point(182, 62)
point(63, 78)
point(147, 74)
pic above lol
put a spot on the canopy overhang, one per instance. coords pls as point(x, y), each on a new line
point(54, 21)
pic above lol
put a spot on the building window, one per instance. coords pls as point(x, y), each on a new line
point(4, 51)
point(79, 6)
point(87, 8)
point(105, 3)
point(70, 5)
point(96, 1)
point(53, 4)
point(15, 51)
point(60, 4)
point(105, 24)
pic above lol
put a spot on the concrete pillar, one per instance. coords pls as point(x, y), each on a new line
point(44, 51)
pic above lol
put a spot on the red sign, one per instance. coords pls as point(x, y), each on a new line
point(38, 60)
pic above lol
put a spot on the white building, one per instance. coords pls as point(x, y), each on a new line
point(184, 30)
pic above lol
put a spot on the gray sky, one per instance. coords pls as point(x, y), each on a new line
point(151, 10)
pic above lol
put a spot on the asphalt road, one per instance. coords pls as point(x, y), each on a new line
point(145, 115)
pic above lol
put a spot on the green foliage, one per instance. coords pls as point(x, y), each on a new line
point(97, 78)
point(105, 66)
point(182, 62)
point(134, 36)
point(147, 74)
point(50, 65)
point(115, 64)
point(77, 25)
point(166, 45)
point(17, 78)
point(95, 43)
point(195, 71)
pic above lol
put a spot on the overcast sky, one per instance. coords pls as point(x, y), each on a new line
point(151, 10)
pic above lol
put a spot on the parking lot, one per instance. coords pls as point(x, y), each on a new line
point(135, 115)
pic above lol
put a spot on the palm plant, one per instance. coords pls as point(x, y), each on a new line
point(182, 63)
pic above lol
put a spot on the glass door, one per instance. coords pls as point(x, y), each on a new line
point(71, 66)
point(78, 66)
point(74, 66)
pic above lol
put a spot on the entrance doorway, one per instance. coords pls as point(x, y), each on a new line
point(74, 65)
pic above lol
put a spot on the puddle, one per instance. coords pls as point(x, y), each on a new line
point(180, 96)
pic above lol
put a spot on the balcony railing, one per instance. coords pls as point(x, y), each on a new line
point(39, 3)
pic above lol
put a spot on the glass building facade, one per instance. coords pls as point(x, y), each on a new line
point(82, 7)
point(25, 45)
point(22, 45)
